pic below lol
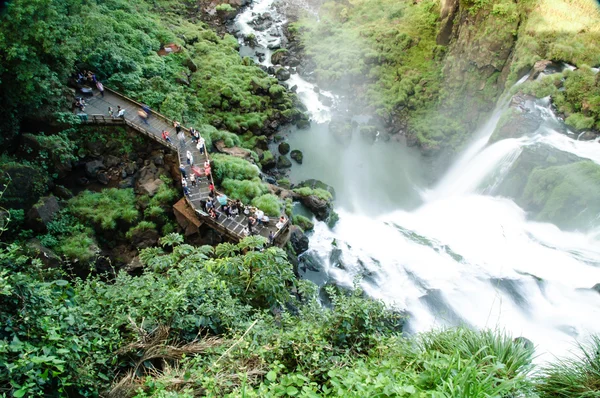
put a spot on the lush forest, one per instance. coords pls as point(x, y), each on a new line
point(224, 319)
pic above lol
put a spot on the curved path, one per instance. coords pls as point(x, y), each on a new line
point(96, 111)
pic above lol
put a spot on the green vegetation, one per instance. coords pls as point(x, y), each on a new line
point(576, 94)
point(268, 203)
point(198, 321)
point(388, 45)
point(207, 83)
point(303, 222)
point(573, 377)
point(105, 208)
point(318, 192)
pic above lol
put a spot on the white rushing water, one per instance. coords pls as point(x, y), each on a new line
point(457, 256)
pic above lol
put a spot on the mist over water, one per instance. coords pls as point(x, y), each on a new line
point(453, 253)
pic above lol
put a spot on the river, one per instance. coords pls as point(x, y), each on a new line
point(454, 253)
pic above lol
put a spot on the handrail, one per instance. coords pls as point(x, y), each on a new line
point(110, 120)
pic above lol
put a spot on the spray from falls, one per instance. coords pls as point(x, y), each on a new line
point(454, 255)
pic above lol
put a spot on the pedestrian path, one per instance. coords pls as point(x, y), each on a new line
point(96, 112)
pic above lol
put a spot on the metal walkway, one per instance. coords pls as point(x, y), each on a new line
point(96, 110)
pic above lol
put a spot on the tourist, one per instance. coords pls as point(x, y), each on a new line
point(193, 179)
point(259, 216)
point(186, 191)
point(189, 157)
point(177, 127)
point(234, 210)
point(207, 172)
point(143, 116)
point(211, 189)
point(100, 88)
point(110, 111)
point(251, 222)
point(209, 204)
point(281, 222)
point(195, 134)
point(183, 182)
point(120, 112)
point(165, 136)
point(200, 145)
point(265, 219)
point(227, 210)
point(146, 109)
point(271, 238)
point(182, 169)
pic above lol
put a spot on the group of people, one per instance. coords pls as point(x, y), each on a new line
point(118, 113)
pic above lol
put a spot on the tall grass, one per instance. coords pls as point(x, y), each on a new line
point(577, 376)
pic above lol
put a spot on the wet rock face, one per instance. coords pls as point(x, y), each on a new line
point(298, 240)
point(520, 119)
point(282, 74)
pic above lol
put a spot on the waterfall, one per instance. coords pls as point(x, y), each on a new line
point(461, 256)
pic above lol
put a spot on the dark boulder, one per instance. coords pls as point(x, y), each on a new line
point(279, 57)
point(93, 167)
point(42, 213)
point(298, 240)
point(283, 163)
point(111, 161)
point(143, 239)
point(284, 148)
point(103, 178)
point(520, 119)
point(62, 192)
point(335, 258)
point(297, 156)
point(282, 74)
point(45, 255)
point(318, 206)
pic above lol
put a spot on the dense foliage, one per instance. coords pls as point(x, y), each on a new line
point(392, 56)
point(233, 321)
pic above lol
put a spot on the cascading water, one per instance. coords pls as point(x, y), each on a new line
point(453, 254)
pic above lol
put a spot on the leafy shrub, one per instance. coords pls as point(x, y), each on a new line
point(318, 192)
point(229, 167)
point(224, 7)
point(105, 208)
point(244, 190)
point(141, 226)
point(268, 203)
point(78, 247)
point(303, 222)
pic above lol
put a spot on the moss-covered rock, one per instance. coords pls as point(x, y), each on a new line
point(283, 148)
point(297, 156)
point(518, 120)
point(565, 195)
point(303, 222)
point(268, 161)
point(283, 162)
point(23, 185)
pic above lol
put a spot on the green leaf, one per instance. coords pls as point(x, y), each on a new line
point(61, 282)
point(271, 376)
point(291, 390)
point(20, 393)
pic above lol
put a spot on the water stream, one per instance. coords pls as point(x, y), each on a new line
point(453, 253)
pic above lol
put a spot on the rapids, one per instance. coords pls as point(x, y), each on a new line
point(451, 254)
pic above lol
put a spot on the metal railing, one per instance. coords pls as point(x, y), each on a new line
point(108, 120)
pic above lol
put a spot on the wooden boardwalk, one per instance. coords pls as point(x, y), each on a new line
point(97, 112)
